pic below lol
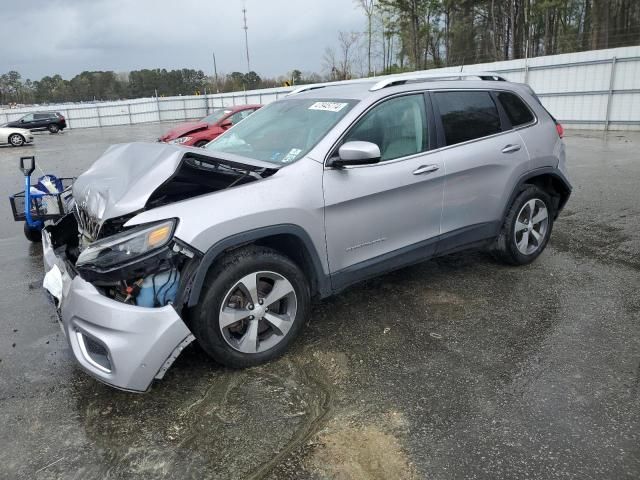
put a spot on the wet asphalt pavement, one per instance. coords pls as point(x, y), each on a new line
point(455, 368)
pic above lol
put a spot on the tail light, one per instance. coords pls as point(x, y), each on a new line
point(559, 129)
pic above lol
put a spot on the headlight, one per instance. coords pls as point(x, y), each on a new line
point(180, 140)
point(128, 245)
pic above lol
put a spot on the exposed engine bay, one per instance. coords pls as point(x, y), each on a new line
point(142, 265)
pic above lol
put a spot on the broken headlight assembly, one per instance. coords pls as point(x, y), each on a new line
point(140, 266)
point(125, 247)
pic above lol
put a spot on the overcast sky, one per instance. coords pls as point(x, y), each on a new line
point(39, 37)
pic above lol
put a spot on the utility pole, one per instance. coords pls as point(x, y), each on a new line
point(246, 37)
point(215, 72)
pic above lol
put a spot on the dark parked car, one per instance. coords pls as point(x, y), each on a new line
point(52, 121)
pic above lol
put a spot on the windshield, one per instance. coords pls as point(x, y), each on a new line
point(217, 114)
point(284, 131)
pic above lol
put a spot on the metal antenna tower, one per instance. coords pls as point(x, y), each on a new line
point(246, 38)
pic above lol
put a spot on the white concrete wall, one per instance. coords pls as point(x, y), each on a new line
point(594, 90)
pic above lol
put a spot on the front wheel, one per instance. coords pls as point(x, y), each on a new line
point(33, 234)
point(16, 140)
point(526, 228)
point(53, 128)
point(254, 304)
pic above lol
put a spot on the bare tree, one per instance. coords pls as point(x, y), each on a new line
point(369, 9)
point(348, 43)
point(330, 63)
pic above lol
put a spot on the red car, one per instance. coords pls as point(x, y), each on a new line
point(198, 134)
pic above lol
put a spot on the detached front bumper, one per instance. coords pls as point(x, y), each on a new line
point(122, 345)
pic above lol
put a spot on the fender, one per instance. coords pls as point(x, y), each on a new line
point(552, 171)
point(320, 278)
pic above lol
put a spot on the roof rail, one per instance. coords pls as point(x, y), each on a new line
point(314, 86)
point(426, 77)
point(304, 88)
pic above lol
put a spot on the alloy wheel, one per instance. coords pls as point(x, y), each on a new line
point(257, 312)
point(16, 140)
point(531, 226)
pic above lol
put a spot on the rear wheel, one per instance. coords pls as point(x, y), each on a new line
point(526, 228)
point(254, 304)
point(16, 140)
point(33, 234)
point(53, 128)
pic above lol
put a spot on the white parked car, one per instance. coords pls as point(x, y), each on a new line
point(16, 137)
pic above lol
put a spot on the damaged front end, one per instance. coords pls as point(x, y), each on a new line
point(138, 266)
point(123, 288)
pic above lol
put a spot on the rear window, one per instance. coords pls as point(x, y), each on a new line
point(41, 116)
point(467, 115)
point(517, 110)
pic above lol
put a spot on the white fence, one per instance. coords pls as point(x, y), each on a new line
point(599, 89)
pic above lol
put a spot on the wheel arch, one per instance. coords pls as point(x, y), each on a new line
point(288, 239)
point(549, 179)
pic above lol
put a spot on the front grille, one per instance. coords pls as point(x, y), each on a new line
point(88, 226)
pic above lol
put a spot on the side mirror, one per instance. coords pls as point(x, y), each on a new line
point(226, 124)
point(22, 120)
point(356, 153)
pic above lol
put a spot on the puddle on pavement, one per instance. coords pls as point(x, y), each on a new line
point(215, 423)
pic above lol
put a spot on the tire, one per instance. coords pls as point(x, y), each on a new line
point(521, 241)
point(16, 140)
point(53, 128)
point(200, 143)
point(33, 234)
point(227, 336)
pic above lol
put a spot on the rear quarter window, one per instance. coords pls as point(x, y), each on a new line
point(467, 115)
point(517, 110)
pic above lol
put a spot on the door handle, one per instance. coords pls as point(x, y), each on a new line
point(425, 169)
point(510, 148)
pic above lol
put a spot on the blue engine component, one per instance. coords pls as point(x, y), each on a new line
point(159, 289)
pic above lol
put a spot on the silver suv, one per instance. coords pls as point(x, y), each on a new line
point(228, 245)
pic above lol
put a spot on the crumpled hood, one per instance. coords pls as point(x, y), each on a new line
point(121, 181)
point(123, 178)
point(182, 129)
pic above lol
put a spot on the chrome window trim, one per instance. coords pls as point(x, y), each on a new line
point(525, 125)
point(433, 150)
point(512, 129)
point(419, 91)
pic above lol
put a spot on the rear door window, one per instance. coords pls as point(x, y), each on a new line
point(517, 110)
point(467, 115)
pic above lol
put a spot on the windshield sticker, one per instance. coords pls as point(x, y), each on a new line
point(275, 156)
point(328, 106)
point(291, 156)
